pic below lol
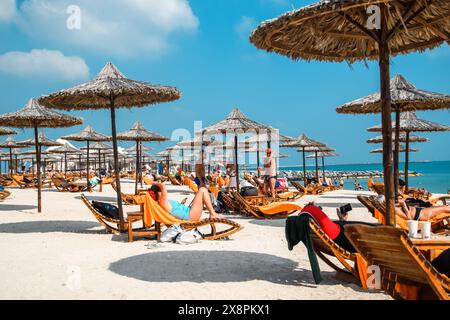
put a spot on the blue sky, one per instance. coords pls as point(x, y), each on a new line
point(202, 48)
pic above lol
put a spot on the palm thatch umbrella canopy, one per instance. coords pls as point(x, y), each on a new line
point(35, 116)
point(100, 148)
point(139, 133)
point(304, 142)
point(402, 149)
point(323, 155)
point(402, 138)
point(6, 131)
point(43, 141)
point(87, 135)
point(111, 90)
point(132, 149)
point(10, 144)
point(404, 97)
point(65, 149)
point(236, 123)
point(408, 123)
point(342, 30)
point(316, 150)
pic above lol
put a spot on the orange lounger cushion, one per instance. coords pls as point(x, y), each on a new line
point(279, 207)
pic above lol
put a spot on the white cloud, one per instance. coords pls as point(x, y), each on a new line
point(118, 28)
point(245, 26)
point(44, 64)
point(7, 10)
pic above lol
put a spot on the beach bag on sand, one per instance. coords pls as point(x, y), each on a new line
point(188, 237)
point(171, 233)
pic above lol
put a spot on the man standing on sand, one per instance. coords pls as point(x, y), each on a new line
point(270, 173)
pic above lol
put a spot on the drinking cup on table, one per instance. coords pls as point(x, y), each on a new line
point(425, 228)
point(413, 226)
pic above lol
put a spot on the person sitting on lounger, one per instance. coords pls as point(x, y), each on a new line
point(334, 229)
point(418, 213)
point(179, 210)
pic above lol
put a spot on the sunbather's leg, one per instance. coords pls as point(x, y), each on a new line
point(428, 213)
point(202, 199)
point(272, 187)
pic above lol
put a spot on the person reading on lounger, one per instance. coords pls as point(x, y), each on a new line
point(418, 213)
point(181, 211)
point(334, 229)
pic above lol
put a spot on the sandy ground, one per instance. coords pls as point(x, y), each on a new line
point(62, 253)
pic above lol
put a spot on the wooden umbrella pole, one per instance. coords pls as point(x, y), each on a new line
point(10, 162)
point(87, 165)
point(99, 162)
point(182, 159)
point(323, 167)
point(397, 150)
point(407, 161)
point(16, 165)
point(137, 166)
point(65, 165)
point(236, 161)
point(385, 91)
point(116, 165)
point(317, 167)
point(38, 164)
point(141, 161)
point(257, 159)
point(304, 167)
point(79, 166)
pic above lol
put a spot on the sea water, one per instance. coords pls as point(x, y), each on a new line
point(435, 175)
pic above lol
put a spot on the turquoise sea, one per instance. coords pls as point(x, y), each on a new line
point(435, 174)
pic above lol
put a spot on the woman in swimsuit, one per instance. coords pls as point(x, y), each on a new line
point(418, 213)
point(179, 210)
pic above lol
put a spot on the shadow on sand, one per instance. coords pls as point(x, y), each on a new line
point(81, 227)
point(216, 266)
point(17, 207)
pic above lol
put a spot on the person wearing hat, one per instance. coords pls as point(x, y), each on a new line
point(270, 174)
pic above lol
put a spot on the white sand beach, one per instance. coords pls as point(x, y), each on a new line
point(43, 255)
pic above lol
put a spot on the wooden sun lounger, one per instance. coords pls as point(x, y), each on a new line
point(230, 203)
point(309, 190)
point(324, 246)
point(274, 210)
point(174, 181)
point(437, 223)
point(128, 199)
point(4, 194)
point(191, 184)
point(400, 262)
point(155, 215)
point(64, 186)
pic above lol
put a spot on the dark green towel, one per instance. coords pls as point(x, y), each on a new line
point(297, 229)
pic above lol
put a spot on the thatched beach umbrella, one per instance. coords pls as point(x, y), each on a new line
point(139, 134)
point(10, 144)
point(408, 123)
point(111, 90)
point(323, 155)
point(6, 132)
point(404, 97)
point(88, 135)
point(402, 138)
point(401, 149)
point(236, 123)
point(343, 30)
point(100, 148)
point(315, 150)
point(303, 142)
point(65, 149)
point(35, 116)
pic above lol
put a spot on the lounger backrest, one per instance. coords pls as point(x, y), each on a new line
point(324, 243)
point(95, 211)
point(390, 249)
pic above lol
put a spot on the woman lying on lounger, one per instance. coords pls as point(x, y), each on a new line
point(181, 211)
point(418, 213)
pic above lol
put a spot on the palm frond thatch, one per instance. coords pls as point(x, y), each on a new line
point(403, 138)
point(322, 155)
point(303, 141)
point(110, 84)
point(36, 115)
point(410, 123)
point(403, 94)
point(139, 133)
point(328, 30)
point(42, 141)
point(402, 149)
point(88, 134)
point(98, 146)
point(6, 131)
